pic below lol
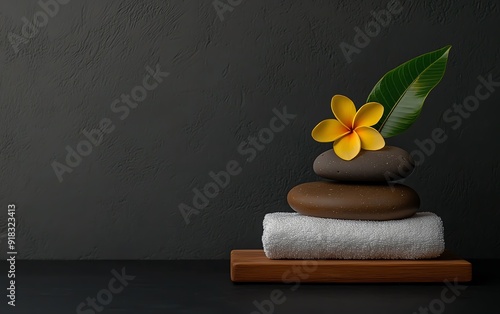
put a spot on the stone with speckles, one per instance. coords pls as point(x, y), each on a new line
point(329, 199)
point(387, 164)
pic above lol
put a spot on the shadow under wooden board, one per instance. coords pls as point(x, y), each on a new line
point(254, 266)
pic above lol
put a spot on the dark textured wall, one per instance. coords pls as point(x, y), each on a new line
point(225, 77)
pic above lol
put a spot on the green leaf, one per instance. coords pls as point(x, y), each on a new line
point(402, 91)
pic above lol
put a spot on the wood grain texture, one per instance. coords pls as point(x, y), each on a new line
point(254, 266)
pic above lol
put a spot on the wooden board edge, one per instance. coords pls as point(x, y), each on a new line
point(459, 270)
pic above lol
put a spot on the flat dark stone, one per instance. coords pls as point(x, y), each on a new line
point(387, 164)
point(329, 199)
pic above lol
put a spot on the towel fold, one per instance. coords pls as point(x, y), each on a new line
point(295, 236)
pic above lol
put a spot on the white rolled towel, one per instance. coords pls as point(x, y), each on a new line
point(295, 236)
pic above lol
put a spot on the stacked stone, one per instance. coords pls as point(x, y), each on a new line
point(361, 189)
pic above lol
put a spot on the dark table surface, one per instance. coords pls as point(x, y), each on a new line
point(205, 287)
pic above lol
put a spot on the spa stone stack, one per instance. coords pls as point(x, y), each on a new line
point(359, 212)
point(362, 187)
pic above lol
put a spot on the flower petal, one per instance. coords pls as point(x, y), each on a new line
point(370, 138)
point(344, 110)
point(328, 131)
point(368, 115)
point(347, 147)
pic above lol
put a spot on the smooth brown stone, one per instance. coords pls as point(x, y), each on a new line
point(354, 201)
point(387, 164)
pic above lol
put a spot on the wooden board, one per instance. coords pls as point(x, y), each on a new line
point(254, 266)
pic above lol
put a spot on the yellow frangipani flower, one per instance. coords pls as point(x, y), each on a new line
point(352, 130)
